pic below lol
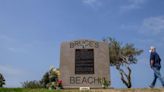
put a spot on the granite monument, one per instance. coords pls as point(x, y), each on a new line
point(84, 63)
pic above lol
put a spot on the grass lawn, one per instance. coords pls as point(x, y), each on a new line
point(26, 90)
point(76, 90)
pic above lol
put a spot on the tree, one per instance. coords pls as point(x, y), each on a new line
point(45, 79)
point(122, 56)
point(2, 80)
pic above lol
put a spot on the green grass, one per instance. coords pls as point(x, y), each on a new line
point(76, 90)
point(26, 90)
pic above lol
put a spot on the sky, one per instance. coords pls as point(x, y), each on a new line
point(31, 32)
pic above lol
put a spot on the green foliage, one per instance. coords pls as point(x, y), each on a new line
point(2, 80)
point(105, 83)
point(32, 84)
point(11, 90)
point(49, 80)
point(54, 82)
point(27, 90)
point(121, 54)
point(53, 76)
point(45, 80)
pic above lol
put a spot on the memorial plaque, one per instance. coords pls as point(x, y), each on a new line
point(84, 61)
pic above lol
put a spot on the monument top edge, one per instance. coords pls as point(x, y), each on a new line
point(90, 40)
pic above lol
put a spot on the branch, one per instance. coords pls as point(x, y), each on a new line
point(123, 80)
point(126, 81)
point(129, 76)
point(121, 71)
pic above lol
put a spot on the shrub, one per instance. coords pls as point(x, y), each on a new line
point(2, 80)
point(32, 84)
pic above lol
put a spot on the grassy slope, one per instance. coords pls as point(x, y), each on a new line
point(26, 90)
point(74, 90)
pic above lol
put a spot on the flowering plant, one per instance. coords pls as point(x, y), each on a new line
point(59, 84)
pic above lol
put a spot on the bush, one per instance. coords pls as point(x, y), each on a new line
point(45, 80)
point(49, 80)
point(2, 80)
point(32, 84)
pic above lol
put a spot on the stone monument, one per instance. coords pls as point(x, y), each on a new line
point(84, 63)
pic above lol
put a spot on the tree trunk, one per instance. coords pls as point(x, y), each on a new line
point(125, 77)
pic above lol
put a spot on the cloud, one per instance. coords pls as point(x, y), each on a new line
point(13, 75)
point(132, 4)
point(6, 38)
point(150, 26)
point(14, 45)
point(150, 29)
point(11, 71)
point(153, 25)
point(92, 3)
point(17, 50)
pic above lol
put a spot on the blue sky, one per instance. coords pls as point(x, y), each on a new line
point(31, 32)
